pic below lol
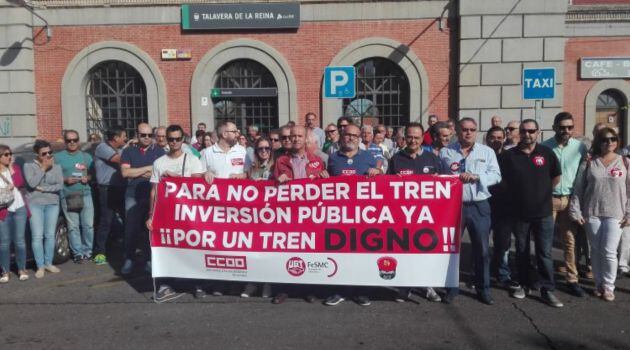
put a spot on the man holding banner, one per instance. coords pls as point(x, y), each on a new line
point(478, 169)
point(176, 163)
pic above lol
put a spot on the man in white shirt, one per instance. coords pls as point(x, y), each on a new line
point(176, 163)
point(226, 159)
point(312, 124)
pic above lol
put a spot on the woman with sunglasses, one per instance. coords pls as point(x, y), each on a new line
point(261, 169)
point(600, 203)
point(12, 217)
point(45, 180)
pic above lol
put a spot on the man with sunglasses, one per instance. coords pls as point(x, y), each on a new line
point(111, 189)
point(530, 172)
point(478, 169)
point(274, 140)
point(136, 164)
point(332, 139)
point(570, 153)
point(176, 163)
point(77, 167)
point(285, 142)
point(511, 135)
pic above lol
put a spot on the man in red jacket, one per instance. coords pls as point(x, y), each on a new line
point(297, 163)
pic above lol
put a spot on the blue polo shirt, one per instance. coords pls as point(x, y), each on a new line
point(339, 164)
point(136, 157)
point(424, 163)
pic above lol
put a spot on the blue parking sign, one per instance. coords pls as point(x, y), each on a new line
point(539, 83)
point(339, 82)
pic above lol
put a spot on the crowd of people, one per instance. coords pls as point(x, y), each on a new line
point(514, 187)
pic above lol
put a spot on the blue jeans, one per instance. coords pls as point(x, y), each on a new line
point(80, 226)
point(43, 225)
point(542, 229)
point(136, 214)
point(13, 229)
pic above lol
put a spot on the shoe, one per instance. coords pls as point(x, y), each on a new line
point(266, 291)
point(23, 275)
point(52, 269)
point(403, 295)
point(432, 295)
point(280, 298)
point(40, 273)
point(608, 295)
point(310, 298)
point(166, 293)
point(127, 267)
point(598, 292)
point(510, 285)
point(363, 300)
point(576, 290)
point(551, 299)
point(147, 267)
point(485, 298)
point(250, 289)
point(4, 278)
point(100, 259)
point(449, 298)
point(620, 274)
point(519, 293)
point(333, 300)
point(216, 292)
point(199, 293)
point(87, 257)
point(78, 259)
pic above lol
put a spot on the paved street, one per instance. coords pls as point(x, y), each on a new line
point(91, 307)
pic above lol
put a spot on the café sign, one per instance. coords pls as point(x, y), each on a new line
point(278, 15)
point(604, 67)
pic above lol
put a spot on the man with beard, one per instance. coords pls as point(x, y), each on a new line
point(570, 153)
point(530, 172)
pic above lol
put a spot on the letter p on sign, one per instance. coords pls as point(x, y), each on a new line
point(339, 82)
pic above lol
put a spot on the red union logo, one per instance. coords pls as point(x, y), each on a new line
point(296, 267)
point(226, 262)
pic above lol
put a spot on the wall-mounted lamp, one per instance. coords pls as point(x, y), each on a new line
point(31, 9)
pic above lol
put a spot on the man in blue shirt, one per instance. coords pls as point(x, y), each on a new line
point(136, 164)
point(367, 144)
point(478, 169)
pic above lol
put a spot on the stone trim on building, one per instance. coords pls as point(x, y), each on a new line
point(590, 102)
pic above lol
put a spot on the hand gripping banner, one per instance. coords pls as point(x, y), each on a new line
point(382, 231)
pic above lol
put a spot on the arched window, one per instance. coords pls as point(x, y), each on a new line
point(382, 93)
point(246, 93)
point(611, 109)
point(116, 96)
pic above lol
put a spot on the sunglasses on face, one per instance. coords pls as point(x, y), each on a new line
point(7, 154)
point(331, 131)
point(263, 149)
point(72, 140)
point(274, 140)
point(174, 139)
point(44, 154)
point(528, 131)
point(469, 129)
point(142, 135)
point(285, 137)
point(510, 129)
point(610, 139)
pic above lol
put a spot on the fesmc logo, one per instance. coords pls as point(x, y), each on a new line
point(226, 262)
point(296, 267)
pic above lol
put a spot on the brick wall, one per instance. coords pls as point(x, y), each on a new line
point(308, 51)
point(575, 90)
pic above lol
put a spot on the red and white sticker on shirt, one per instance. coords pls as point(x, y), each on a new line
point(238, 161)
point(349, 172)
point(455, 166)
point(405, 172)
point(80, 166)
point(539, 161)
point(616, 172)
point(314, 164)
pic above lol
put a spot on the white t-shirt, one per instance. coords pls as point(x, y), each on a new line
point(18, 202)
point(223, 164)
point(175, 165)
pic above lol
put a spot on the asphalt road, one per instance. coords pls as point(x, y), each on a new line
point(91, 307)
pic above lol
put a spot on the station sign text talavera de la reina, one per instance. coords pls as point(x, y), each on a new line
point(241, 16)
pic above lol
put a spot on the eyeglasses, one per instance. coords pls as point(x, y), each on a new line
point(72, 140)
point(610, 139)
point(351, 136)
point(174, 139)
point(145, 135)
point(331, 131)
point(43, 154)
point(160, 136)
point(469, 129)
point(285, 137)
point(7, 154)
point(510, 129)
point(263, 149)
point(566, 127)
point(528, 131)
point(274, 140)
